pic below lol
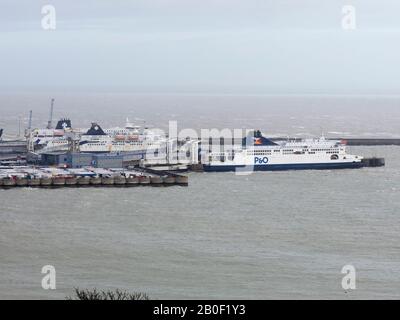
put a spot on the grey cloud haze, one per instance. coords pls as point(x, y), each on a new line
point(274, 46)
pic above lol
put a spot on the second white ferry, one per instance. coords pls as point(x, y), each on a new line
point(128, 139)
point(258, 153)
point(131, 138)
point(50, 139)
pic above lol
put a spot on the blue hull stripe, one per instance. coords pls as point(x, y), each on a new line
point(276, 167)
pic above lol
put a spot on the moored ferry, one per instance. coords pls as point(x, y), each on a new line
point(131, 138)
point(258, 153)
point(49, 139)
point(128, 139)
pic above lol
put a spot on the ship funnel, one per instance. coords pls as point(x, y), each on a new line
point(256, 139)
point(64, 124)
point(95, 130)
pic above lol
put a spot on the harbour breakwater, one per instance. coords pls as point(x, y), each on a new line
point(357, 141)
point(20, 147)
point(373, 142)
point(13, 177)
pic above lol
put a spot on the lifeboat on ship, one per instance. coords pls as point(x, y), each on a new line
point(120, 137)
point(133, 138)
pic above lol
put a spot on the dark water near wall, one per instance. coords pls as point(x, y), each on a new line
point(267, 235)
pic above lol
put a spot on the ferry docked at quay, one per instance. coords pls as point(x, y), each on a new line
point(254, 153)
point(131, 138)
point(128, 139)
point(258, 153)
point(132, 142)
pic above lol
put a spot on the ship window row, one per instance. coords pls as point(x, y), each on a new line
point(290, 151)
point(259, 153)
point(129, 144)
point(116, 143)
point(325, 150)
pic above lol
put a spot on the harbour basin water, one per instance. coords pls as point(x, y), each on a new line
point(266, 235)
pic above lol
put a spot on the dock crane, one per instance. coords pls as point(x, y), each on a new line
point(50, 122)
point(30, 120)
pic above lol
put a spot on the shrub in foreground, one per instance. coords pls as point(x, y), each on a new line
point(94, 294)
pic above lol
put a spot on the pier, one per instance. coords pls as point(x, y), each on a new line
point(13, 147)
point(373, 162)
point(50, 177)
point(373, 142)
point(356, 141)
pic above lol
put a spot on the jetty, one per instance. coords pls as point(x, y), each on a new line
point(52, 177)
point(355, 141)
point(373, 162)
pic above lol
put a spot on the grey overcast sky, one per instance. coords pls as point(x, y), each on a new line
point(274, 46)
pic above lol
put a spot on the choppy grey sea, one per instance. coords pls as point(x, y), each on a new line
point(264, 236)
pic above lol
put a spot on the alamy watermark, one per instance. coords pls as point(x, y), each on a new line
point(49, 17)
point(49, 279)
point(190, 146)
point(349, 21)
point(349, 280)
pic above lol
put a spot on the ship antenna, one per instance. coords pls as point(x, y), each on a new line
point(28, 130)
point(19, 127)
point(322, 133)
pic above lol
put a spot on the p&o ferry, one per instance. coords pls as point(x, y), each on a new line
point(258, 153)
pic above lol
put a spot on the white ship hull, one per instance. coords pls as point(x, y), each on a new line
point(282, 166)
point(301, 155)
point(113, 146)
